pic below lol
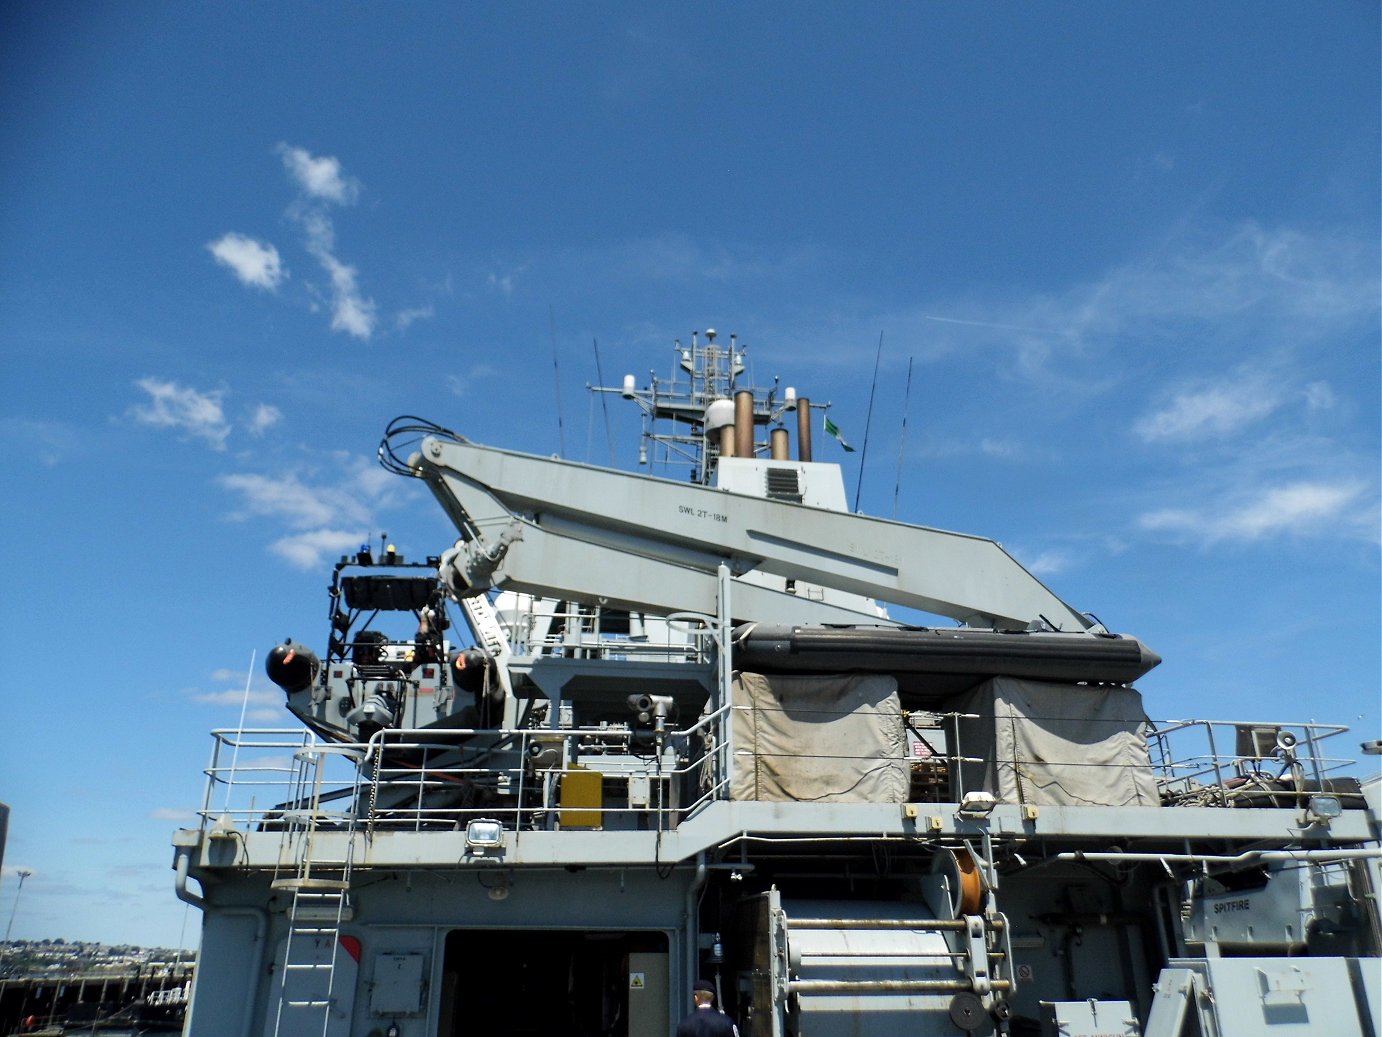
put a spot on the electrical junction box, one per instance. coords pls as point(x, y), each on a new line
point(398, 984)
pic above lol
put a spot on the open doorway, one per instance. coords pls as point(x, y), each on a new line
point(554, 983)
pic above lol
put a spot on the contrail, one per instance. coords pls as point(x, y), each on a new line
point(988, 324)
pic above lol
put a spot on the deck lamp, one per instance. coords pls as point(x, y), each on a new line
point(484, 834)
point(1323, 809)
point(977, 804)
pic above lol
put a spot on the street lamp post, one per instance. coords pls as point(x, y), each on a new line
point(23, 874)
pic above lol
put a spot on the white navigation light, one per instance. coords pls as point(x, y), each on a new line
point(789, 397)
point(629, 387)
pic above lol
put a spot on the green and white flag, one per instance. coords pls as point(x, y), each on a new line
point(831, 430)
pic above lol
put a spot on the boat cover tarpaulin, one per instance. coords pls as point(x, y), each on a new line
point(818, 739)
point(1055, 744)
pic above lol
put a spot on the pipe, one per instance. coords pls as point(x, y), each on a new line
point(727, 441)
point(181, 865)
point(261, 927)
point(780, 449)
point(803, 429)
point(693, 894)
point(743, 423)
point(1310, 856)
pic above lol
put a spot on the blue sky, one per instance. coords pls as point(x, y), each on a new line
point(1130, 252)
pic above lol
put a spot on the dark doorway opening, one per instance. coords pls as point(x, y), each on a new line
point(553, 983)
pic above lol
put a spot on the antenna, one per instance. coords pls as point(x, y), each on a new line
point(604, 404)
point(556, 380)
point(902, 442)
point(235, 753)
point(863, 456)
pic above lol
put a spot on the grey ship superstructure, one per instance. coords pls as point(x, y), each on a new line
point(633, 731)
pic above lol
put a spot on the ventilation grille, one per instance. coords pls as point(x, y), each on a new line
point(784, 484)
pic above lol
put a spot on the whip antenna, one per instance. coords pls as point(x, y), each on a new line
point(604, 403)
point(902, 442)
point(556, 380)
point(864, 454)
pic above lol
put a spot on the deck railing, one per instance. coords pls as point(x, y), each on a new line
point(631, 778)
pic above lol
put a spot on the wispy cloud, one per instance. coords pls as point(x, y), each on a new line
point(504, 283)
point(461, 385)
point(351, 312)
point(237, 696)
point(254, 263)
point(320, 183)
point(1299, 508)
point(1242, 294)
point(329, 514)
point(1212, 408)
point(1049, 563)
point(404, 319)
point(286, 497)
point(49, 441)
point(264, 417)
point(310, 550)
point(171, 814)
point(174, 406)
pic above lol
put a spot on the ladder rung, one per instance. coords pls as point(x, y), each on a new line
point(312, 965)
point(310, 884)
point(308, 930)
point(308, 1004)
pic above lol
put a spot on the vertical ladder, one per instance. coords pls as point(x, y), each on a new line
point(319, 906)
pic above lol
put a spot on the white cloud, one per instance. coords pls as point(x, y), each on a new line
point(406, 318)
point(460, 385)
point(300, 505)
point(172, 814)
point(1292, 509)
point(319, 177)
point(1211, 409)
point(174, 406)
point(49, 441)
point(236, 696)
point(1049, 563)
point(1002, 448)
point(328, 518)
point(351, 312)
point(312, 550)
point(265, 416)
point(1255, 295)
point(255, 263)
point(1319, 396)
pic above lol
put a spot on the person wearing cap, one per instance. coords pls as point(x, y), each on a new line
point(705, 1019)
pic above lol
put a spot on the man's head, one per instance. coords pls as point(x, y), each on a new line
point(703, 993)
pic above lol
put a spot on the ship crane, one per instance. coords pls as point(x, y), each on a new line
point(560, 528)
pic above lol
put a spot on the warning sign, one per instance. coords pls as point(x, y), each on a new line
point(637, 980)
point(1024, 973)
